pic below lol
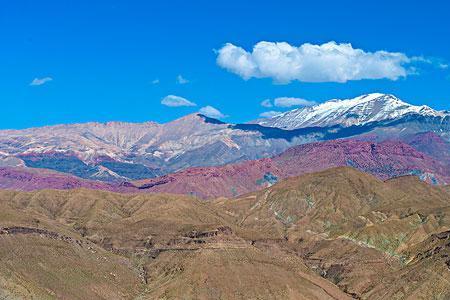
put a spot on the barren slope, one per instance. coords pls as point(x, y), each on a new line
point(114, 246)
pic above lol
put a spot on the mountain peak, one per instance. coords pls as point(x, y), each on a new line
point(347, 112)
point(196, 118)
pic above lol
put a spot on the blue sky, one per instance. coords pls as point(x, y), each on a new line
point(78, 61)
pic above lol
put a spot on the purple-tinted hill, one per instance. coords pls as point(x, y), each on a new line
point(431, 144)
point(28, 179)
point(384, 160)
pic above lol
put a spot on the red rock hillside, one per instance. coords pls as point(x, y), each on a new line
point(385, 160)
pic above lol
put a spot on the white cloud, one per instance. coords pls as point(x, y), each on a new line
point(291, 101)
point(40, 81)
point(329, 62)
point(211, 112)
point(176, 101)
point(270, 114)
point(155, 81)
point(182, 80)
point(266, 103)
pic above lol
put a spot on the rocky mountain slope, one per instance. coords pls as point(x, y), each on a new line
point(118, 151)
point(431, 144)
point(336, 234)
point(29, 179)
point(384, 159)
point(94, 245)
point(374, 239)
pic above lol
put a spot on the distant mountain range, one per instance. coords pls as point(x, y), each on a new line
point(385, 160)
point(359, 111)
point(120, 152)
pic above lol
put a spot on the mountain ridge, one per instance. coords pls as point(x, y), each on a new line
point(118, 151)
point(384, 160)
point(355, 111)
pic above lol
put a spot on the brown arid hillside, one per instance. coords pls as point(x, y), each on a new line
point(356, 230)
point(85, 244)
point(335, 234)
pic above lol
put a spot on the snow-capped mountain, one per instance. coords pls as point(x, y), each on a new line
point(347, 112)
point(127, 151)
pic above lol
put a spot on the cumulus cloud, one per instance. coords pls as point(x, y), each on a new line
point(40, 81)
point(266, 103)
point(329, 62)
point(176, 101)
point(292, 101)
point(211, 112)
point(270, 114)
point(155, 81)
point(182, 80)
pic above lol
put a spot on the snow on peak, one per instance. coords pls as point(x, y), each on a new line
point(347, 112)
